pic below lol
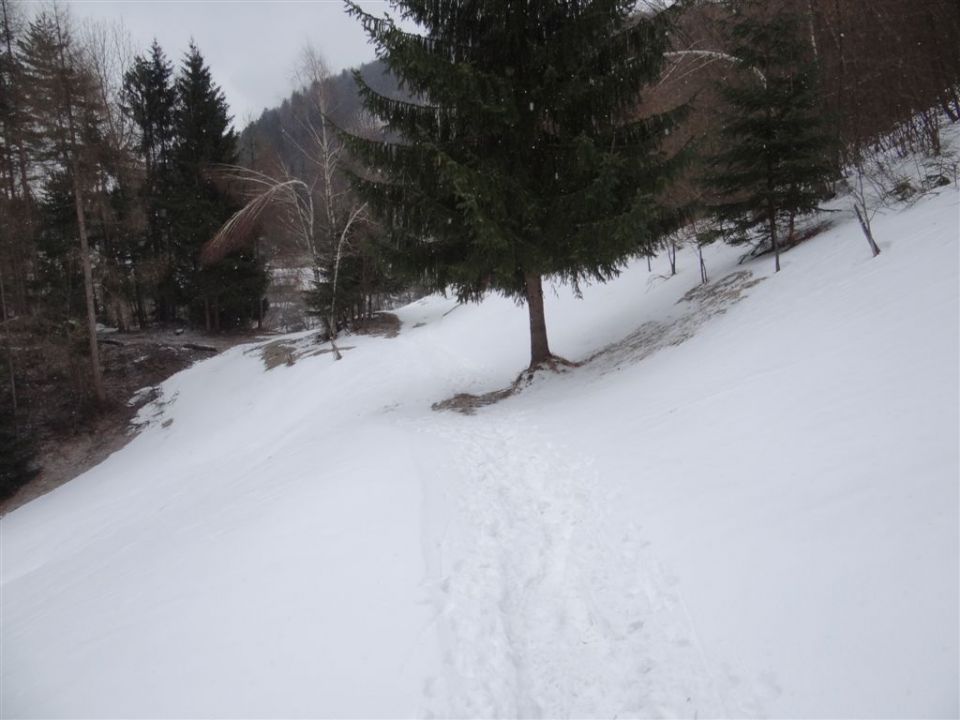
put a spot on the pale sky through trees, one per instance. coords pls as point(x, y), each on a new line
point(251, 45)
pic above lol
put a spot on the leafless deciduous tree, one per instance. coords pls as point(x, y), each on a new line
point(317, 206)
point(862, 205)
point(64, 97)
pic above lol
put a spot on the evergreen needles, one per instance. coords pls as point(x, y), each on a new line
point(523, 156)
point(776, 156)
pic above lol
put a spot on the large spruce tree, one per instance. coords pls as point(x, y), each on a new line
point(227, 294)
point(523, 156)
point(776, 149)
point(149, 98)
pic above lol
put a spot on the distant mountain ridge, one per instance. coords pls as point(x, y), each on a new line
point(279, 127)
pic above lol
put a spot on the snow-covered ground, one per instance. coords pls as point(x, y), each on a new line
point(745, 503)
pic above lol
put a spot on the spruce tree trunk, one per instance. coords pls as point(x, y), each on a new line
point(771, 208)
point(24, 181)
point(138, 302)
point(14, 407)
point(539, 349)
point(11, 169)
point(3, 297)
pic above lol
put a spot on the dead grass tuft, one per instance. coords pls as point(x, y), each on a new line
point(382, 324)
point(278, 353)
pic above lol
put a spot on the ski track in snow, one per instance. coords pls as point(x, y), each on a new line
point(531, 621)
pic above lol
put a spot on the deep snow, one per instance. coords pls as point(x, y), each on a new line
point(745, 503)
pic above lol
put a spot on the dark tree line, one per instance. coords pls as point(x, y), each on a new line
point(888, 68)
point(847, 80)
point(147, 196)
point(884, 68)
point(184, 136)
point(106, 198)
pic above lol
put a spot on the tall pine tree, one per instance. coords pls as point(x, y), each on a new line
point(776, 150)
point(227, 294)
point(525, 157)
point(149, 98)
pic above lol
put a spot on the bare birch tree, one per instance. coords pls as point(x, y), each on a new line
point(865, 203)
point(318, 206)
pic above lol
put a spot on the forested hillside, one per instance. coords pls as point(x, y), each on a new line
point(280, 129)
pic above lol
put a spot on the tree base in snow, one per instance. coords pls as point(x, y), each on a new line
point(467, 403)
point(555, 363)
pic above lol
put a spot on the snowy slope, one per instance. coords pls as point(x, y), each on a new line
point(745, 502)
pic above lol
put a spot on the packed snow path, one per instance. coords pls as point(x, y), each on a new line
point(542, 612)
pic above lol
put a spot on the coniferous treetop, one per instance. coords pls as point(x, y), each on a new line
point(149, 97)
point(201, 115)
point(523, 152)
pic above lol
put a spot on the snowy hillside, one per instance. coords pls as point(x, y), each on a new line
point(744, 502)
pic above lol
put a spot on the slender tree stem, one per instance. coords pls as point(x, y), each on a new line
point(97, 376)
point(539, 348)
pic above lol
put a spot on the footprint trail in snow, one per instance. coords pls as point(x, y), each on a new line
point(541, 613)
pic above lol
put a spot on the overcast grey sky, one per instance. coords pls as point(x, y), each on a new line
point(250, 45)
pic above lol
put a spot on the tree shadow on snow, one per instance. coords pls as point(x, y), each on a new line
point(700, 304)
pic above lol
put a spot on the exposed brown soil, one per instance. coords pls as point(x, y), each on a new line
point(468, 404)
point(285, 352)
point(288, 352)
point(277, 353)
point(698, 305)
point(383, 324)
point(64, 459)
point(70, 442)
